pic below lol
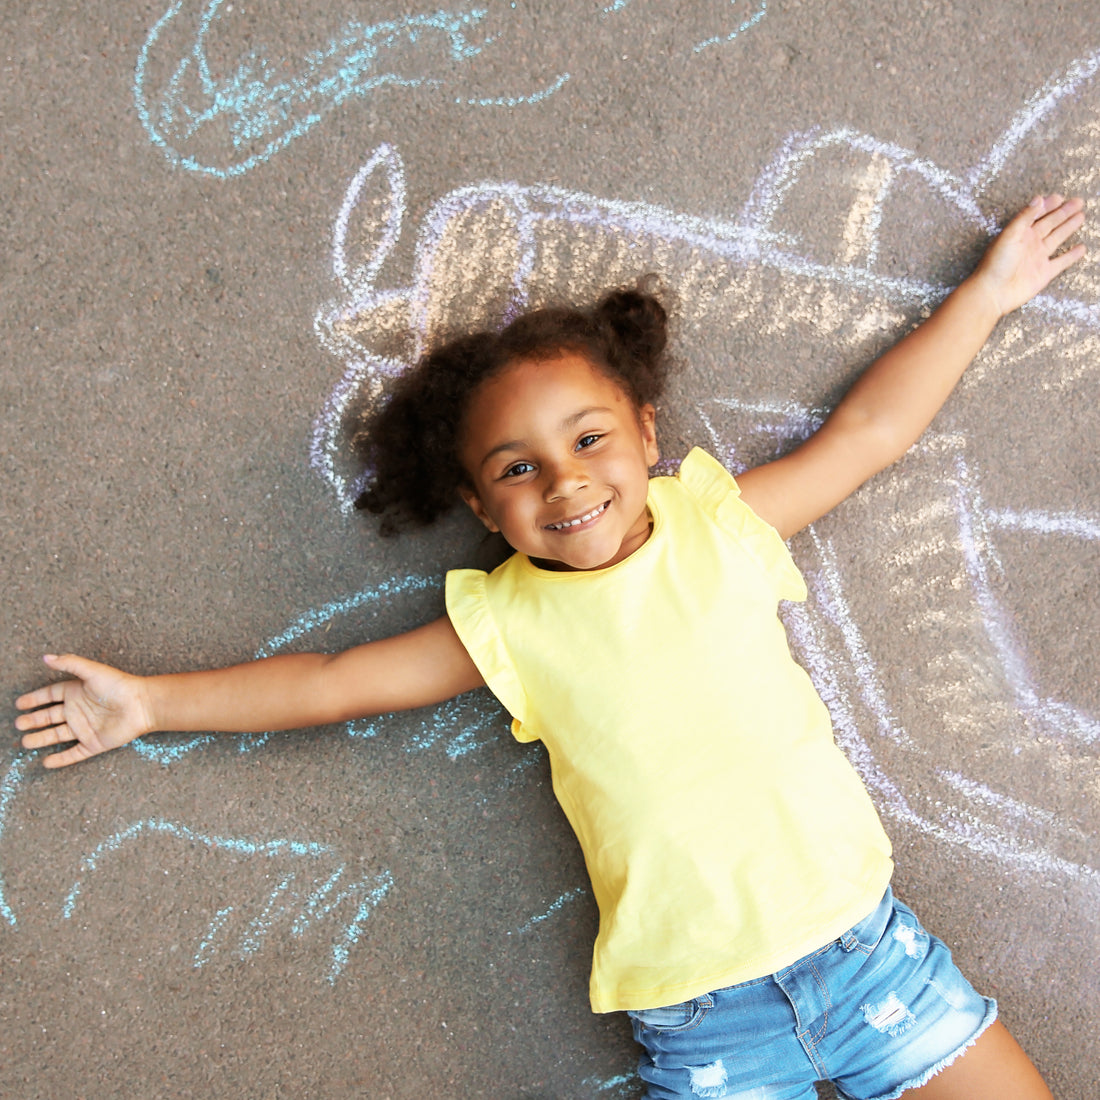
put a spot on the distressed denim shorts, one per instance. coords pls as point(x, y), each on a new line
point(877, 1011)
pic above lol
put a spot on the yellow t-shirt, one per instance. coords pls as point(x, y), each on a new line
point(725, 833)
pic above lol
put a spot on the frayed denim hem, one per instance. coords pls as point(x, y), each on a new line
point(943, 1063)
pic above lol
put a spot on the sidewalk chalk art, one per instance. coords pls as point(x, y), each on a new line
point(218, 106)
point(300, 902)
point(318, 895)
point(224, 120)
point(935, 547)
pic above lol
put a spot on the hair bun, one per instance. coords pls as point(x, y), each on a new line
point(638, 323)
point(637, 318)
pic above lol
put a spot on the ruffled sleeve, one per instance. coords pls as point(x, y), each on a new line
point(708, 481)
point(472, 617)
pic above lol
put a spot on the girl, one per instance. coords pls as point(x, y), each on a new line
point(741, 873)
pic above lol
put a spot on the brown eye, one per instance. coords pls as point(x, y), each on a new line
point(587, 441)
point(518, 469)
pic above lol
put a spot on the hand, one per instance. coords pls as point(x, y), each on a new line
point(101, 709)
point(1022, 260)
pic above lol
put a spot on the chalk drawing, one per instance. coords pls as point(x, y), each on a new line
point(303, 898)
point(487, 251)
point(167, 751)
point(303, 902)
point(622, 1084)
point(223, 124)
point(748, 24)
point(554, 908)
point(13, 778)
point(714, 40)
point(459, 726)
point(1008, 832)
point(224, 120)
point(504, 247)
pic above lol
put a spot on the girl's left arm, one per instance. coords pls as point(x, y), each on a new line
point(892, 403)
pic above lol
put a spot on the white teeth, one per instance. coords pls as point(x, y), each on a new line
point(576, 522)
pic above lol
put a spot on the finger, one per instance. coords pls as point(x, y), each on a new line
point(1039, 207)
point(1058, 234)
point(74, 755)
point(1055, 212)
point(36, 719)
point(51, 693)
point(44, 739)
point(1048, 208)
point(1067, 258)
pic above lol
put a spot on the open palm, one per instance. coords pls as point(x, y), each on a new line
point(101, 709)
point(1025, 257)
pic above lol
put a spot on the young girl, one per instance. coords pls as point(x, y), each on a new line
point(741, 872)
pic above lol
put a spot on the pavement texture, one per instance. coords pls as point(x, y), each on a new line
point(227, 223)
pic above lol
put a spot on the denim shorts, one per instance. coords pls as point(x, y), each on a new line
point(877, 1011)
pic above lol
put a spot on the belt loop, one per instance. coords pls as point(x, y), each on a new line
point(847, 941)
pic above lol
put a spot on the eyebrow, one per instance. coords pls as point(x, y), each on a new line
point(569, 422)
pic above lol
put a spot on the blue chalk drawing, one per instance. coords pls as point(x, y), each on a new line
point(11, 782)
point(168, 751)
point(254, 110)
point(460, 725)
point(487, 251)
point(225, 122)
point(302, 901)
point(554, 908)
point(517, 101)
point(715, 40)
point(321, 617)
point(749, 23)
point(622, 1084)
point(205, 950)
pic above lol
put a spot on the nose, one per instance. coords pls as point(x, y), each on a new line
point(563, 479)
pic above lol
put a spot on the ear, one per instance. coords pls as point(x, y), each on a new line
point(473, 502)
point(647, 421)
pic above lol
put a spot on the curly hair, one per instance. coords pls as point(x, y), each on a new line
point(410, 444)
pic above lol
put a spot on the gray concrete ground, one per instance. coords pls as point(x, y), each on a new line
point(198, 287)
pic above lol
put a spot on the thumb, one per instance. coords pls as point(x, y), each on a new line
point(73, 665)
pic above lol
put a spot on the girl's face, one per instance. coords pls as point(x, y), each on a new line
point(558, 460)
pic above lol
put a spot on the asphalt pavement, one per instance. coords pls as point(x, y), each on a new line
point(228, 224)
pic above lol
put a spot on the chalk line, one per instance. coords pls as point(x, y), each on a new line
point(304, 906)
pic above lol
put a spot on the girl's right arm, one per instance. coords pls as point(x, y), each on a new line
point(103, 708)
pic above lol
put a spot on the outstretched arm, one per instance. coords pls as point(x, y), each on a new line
point(103, 708)
point(892, 403)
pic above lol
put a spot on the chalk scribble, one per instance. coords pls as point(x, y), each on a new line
point(224, 123)
point(299, 901)
point(729, 36)
point(218, 106)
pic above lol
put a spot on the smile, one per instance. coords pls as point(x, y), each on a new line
point(566, 524)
